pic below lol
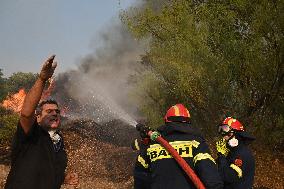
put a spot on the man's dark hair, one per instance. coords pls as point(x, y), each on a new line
point(40, 105)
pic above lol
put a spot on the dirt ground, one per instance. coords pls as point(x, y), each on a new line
point(103, 159)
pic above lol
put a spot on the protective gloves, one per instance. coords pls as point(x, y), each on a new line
point(222, 147)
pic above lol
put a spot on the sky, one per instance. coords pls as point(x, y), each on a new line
point(31, 30)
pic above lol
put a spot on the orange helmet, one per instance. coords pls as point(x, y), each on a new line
point(230, 125)
point(233, 123)
point(177, 113)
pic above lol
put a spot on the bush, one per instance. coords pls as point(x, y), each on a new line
point(8, 125)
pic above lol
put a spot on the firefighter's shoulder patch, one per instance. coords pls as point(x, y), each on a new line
point(238, 162)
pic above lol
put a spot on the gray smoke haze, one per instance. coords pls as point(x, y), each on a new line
point(101, 85)
point(100, 88)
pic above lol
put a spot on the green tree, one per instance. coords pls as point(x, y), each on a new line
point(8, 125)
point(11, 85)
point(219, 58)
point(3, 92)
point(20, 80)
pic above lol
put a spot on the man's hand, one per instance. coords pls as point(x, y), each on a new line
point(222, 147)
point(48, 68)
point(71, 179)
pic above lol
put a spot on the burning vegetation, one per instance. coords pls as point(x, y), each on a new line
point(15, 102)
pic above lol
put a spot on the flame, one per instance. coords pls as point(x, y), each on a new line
point(15, 102)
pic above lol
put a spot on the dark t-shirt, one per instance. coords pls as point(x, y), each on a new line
point(36, 163)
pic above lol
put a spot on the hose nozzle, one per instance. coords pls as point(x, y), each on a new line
point(143, 130)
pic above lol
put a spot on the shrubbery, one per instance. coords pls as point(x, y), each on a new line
point(8, 125)
point(218, 58)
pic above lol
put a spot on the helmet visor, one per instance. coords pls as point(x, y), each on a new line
point(224, 130)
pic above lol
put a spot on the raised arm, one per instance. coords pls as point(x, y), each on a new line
point(32, 99)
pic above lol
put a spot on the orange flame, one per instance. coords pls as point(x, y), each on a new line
point(15, 102)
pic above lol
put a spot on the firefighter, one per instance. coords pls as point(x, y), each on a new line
point(142, 177)
point(164, 170)
point(236, 163)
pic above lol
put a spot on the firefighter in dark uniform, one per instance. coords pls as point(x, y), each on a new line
point(142, 177)
point(235, 161)
point(164, 170)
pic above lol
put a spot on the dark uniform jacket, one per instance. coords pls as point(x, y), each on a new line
point(142, 176)
point(237, 169)
point(164, 170)
point(36, 162)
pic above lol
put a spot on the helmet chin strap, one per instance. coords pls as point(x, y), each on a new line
point(233, 142)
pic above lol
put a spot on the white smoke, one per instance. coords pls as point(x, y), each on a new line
point(102, 83)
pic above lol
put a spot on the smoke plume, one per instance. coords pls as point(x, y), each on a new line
point(99, 88)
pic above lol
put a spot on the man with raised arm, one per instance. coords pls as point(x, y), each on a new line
point(38, 157)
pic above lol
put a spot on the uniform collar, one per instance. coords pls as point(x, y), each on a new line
point(172, 127)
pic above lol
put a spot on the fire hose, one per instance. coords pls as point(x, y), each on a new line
point(156, 136)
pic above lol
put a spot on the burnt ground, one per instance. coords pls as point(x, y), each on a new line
point(101, 155)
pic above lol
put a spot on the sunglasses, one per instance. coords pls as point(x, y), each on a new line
point(224, 130)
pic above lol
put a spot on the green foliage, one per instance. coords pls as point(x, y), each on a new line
point(150, 88)
point(20, 80)
point(4, 111)
point(217, 57)
point(15, 82)
point(11, 85)
point(3, 92)
point(8, 125)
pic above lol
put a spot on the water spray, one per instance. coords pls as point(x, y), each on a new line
point(97, 102)
point(115, 109)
